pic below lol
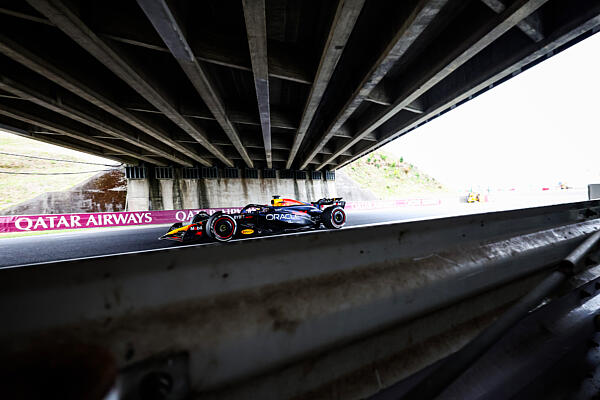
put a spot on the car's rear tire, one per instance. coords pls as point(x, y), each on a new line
point(221, 227)
point(333, 217)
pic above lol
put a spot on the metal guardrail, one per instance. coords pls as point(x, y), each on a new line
point(450, 370)
point(281, 317)
point(552, 352)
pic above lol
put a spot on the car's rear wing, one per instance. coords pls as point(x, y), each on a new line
point(334, 201)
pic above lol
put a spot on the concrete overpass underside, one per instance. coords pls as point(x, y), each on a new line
point(261, 86)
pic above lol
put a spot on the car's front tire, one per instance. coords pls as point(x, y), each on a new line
point(221, 227)
point(334, 217)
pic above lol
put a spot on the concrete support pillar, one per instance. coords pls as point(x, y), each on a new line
point(300, 190)
point(156, 200)
point(313, 189)
point(286, 188)
point(138, 194)
point(189, 193)
point(166, 191)
point(209, 194)
point(269, 187)
point(329, 189)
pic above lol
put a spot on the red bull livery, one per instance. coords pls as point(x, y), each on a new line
point(282, 215)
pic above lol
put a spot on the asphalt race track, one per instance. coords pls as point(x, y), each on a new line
point(78, 244)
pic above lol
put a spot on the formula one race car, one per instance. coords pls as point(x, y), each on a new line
point(282, 215)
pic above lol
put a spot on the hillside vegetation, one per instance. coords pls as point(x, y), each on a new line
point(391, 177)
point(16, 187)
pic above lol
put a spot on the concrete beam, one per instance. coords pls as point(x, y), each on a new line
point(416, 107)
point(9, 96)
point(212, 52)
point(486, 79)
point(278, 118)
point(448, 63)
point(326, 150)
point(19, 115)
point(25, 16)
point(256, 29)
point(215, 53)
point(34, 96)
point(276, 143)
point(250, 141)
point(346, 132)
point(341, 27)
point(423, 13)
point(381, 95)
point(29, 59)
point(167, 26)
point(209, 52)
point(76, 29)
point(531, 26)
point(259, 156)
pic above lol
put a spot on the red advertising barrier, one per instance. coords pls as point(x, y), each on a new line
point(24, 223)
point(20, 223)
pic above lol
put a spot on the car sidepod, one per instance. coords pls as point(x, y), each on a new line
point(289, 218)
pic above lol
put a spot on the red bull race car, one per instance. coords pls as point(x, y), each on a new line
point(282, 215)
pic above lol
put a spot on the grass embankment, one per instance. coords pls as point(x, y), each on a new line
point(15, 189)
point(390, 177)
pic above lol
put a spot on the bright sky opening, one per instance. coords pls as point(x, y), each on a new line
point(539, 128)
